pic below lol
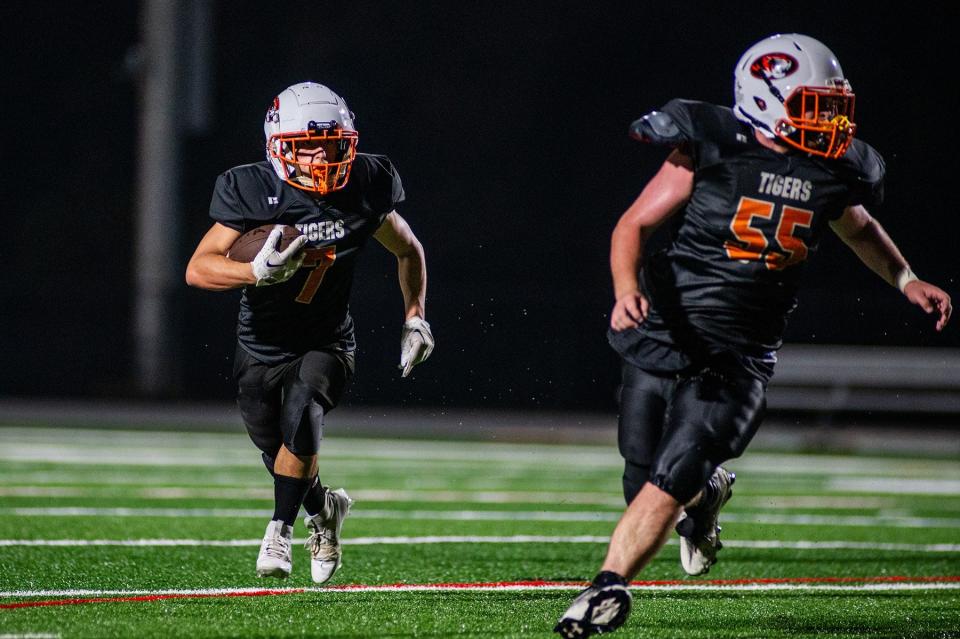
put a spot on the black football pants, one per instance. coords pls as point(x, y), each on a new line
point(284, 404)
point(675, 430)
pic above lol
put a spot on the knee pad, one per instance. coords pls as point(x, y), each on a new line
point(327, 374)
point(312, 389)
point(302, 424)
point(310, 433)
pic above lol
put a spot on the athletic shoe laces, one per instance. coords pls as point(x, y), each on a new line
point(322, 543)
point(277, 546)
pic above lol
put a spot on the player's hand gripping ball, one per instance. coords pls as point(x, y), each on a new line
point(246, 247)
point(274, 251)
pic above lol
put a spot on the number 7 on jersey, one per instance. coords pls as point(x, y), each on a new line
point(321, 259)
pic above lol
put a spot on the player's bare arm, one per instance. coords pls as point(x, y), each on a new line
point(663, 196)
point(398, 238)
point(416, 339)
point(867, 238)
point(210, 268)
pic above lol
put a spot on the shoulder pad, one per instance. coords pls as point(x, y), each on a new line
point(242, 193)
point(691, 121)
point(863, 168)
point(374, 185)
point(252, 178)
point(371, 164)
point(656, 127)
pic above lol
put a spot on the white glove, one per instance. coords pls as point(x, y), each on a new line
point(271, 266)
point(416, 344)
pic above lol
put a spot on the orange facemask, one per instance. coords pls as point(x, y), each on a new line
point(317, 160)
point(819, 120)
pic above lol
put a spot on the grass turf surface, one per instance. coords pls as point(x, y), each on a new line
point(206, 487)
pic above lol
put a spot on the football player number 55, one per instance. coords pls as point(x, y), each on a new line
point(751, 244)
point(320, 259)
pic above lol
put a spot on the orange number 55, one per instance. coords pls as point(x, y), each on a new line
point(751, 244)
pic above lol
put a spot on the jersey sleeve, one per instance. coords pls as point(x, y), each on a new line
point(225, 204)
point(864, 170)
point(377, 184)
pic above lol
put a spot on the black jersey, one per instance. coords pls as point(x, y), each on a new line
point(310, 310)
point(729, 276)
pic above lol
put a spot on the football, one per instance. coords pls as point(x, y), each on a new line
point(246, 247)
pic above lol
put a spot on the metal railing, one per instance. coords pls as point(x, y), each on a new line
point(867, 379)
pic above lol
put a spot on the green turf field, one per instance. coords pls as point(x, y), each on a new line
point(142, 534)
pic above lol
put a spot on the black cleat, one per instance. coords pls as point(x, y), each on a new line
point(602, 607)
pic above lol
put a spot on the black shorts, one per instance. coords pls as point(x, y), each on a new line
point(676, 429)
point(284, 404)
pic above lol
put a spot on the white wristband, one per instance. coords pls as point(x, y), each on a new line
point(904, 277)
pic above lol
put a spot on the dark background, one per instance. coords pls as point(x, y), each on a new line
point(507, 121)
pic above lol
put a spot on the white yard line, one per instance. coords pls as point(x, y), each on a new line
point(137, 512)
point(895, 485)
point(164, 457)
point(754, 587)
point(825, 502)
point(444, 515)
point(48, 491)
point(772, 502)
point(88, 446)
point(367, 495)
point(401, 449)
point(252, 477)
point(838, 545)
point(123, 452)
point(480, 539)
point(884, 521)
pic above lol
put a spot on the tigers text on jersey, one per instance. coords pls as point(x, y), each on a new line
point(729, 277)
point(310, 310)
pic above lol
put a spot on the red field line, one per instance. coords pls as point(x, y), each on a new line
point(485, 586)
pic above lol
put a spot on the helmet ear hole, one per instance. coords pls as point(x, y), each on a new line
point(760, 102)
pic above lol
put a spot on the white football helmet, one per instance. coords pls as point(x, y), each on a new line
point(311, 140)
point(790, 86)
